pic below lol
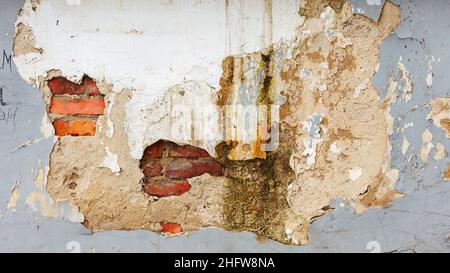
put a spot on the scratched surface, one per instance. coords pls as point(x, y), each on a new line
point(417, 222)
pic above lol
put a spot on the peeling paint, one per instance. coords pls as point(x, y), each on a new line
point(111, 161)
point(311, 82)
point(15, 195)
point(24, 42)
point(291, 116)
point(440, 113)
point(315, 139)
point(440, 153)
point(110, 131)
point(429, 77)
point(406, 77)
point(427, 137)
point(405, 145)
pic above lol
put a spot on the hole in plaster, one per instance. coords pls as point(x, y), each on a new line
point(75, 107)
point(167, 166)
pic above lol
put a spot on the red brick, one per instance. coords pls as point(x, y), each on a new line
point(186, 151)
point(90, 87)
point(64, 106)
point(60, 86)
point(152, 168)
point(83, 127)
point(155, 150)
point(163, 187)
point(182, 168)
point(171, 228)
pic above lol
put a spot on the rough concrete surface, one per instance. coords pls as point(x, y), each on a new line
point(352, 155)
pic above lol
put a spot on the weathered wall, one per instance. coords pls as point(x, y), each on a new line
point(358, 129)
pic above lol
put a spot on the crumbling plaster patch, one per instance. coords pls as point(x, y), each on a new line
point(24, 42)
point(15, 195)
point(339, 57)
point(440, 114)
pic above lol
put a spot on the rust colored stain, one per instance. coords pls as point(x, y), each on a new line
point(226, 81)
point(447, 174)
point(315, 57)
point(258, 151)
point(445, 123)
point(261, 239)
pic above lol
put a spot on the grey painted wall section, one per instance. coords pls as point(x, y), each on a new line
point(420, 221)
point(372, 11)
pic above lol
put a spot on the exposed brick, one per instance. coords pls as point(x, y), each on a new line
point(64, 106)
point(152, 168)
point(83, 127)
point(185, 151)
point(90, 87)
point(183, 168)
point(171, 228)
point(155, 150)
point(163, 187)
point(60, 86)
point(166, 167)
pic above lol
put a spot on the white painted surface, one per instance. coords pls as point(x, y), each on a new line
point(373, 2)
point(355, 173)
point(111, 161)
point(150, 46)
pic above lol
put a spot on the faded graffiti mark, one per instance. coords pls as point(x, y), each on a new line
point(2, 103)
point(6, 61)
point(7, 113)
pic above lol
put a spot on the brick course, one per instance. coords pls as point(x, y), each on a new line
point(163, 187)
point(81, 127)
point(74, 107)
